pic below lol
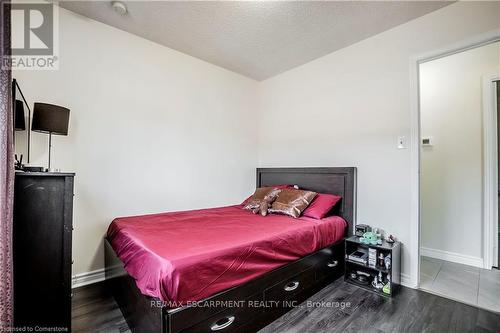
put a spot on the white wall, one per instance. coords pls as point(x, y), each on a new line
point(344, 109)
point(349, 107)
point(452, 169)
point(151, 129)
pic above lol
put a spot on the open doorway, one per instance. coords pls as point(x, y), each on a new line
point(456, 257)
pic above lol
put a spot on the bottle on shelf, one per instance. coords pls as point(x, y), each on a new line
point(381, 261)
point(387, 262)
point(387, 288)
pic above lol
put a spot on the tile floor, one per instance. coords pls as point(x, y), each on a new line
point(471, 285)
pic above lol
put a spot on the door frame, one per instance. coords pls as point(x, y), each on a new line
point(490, 171)
point(414, 62)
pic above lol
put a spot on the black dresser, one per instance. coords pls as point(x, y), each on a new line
point(43, 209)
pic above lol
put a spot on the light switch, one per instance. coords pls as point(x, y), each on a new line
point(402, 142)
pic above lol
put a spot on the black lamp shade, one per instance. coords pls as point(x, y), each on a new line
point(20, 125)
point(49, 118)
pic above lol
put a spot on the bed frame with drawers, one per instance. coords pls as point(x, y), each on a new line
point(255, 304)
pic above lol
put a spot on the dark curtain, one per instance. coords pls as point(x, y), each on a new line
point(6, 175)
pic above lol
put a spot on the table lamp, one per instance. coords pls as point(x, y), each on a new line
point(50, 119)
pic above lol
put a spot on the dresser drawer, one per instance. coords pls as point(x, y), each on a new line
point(230, 319)
point(291, 287)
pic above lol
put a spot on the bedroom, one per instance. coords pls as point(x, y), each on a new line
point(173, 106)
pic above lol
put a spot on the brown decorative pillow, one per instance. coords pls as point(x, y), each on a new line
point(292, 202)
point(262, 194)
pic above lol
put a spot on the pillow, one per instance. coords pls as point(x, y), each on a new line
point(292, 202)
point(262, 194)
point(321, 205)
point(276, 186)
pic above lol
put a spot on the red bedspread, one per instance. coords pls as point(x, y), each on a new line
point(188, 256)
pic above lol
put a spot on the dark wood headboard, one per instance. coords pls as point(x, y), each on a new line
point(338, 181)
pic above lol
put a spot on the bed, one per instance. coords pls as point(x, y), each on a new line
point(225, 269)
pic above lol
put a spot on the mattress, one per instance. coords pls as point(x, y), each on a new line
point(181, 257)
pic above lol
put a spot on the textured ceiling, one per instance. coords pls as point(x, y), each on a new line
point(258, 39)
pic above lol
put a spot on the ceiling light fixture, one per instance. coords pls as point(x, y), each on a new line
point(119, 7)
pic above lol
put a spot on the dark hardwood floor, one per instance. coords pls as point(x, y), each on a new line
point(94, 310)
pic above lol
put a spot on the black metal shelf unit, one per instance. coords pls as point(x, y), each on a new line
point(390, 275)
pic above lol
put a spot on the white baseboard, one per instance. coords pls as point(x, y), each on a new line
point(406, 281)
point(86, 278)
point(452, 256)
point(83, 279)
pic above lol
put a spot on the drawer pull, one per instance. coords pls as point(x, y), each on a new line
point(222, 323)
point(333, 263)
point(292, 286)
